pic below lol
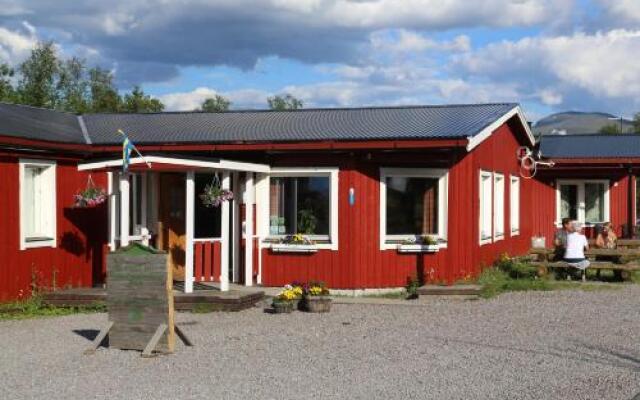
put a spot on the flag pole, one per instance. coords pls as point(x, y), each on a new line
point(135, 148)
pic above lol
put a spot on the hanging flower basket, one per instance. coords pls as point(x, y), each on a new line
point(213, 195)
point(91, 196)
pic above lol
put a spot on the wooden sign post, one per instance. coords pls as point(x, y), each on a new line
point(140, 302)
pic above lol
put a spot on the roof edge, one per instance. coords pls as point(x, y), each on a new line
point(476, 140)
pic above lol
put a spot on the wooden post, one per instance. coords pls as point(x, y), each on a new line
point(224, 254)
point(189, 218)
point(248, 244)
point(262, 216)
point(237, 231)
point(124, 209)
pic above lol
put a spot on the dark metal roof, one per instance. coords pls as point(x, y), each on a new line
point(40, 124)
point(417, 122)
point(590, 146)
point(374, 123)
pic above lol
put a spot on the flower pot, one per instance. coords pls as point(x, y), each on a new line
point(297, 304)
point(282, 307)
point(317, 304)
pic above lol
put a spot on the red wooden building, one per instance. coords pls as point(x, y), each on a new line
point(380, 194)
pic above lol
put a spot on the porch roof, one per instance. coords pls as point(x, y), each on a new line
point(164, 163)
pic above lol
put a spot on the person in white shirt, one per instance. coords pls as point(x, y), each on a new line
point(576, 245)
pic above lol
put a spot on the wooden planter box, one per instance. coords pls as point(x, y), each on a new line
point(294, 248)
point(282, 307)
point(418, 248)
point(317, 304)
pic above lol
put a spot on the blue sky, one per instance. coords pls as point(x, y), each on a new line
point(548, 55)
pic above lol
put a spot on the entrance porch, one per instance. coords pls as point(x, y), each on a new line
point(156, 202)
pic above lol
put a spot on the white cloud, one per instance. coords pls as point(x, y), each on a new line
point(622, 10)
point(192, 100)
point(602, 64)
point(15, 46)
point(405, 41)
point(378, 14)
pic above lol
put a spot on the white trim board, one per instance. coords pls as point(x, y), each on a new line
point(220, 164)
point(580, 198)
point(476, 140)
point(332, 173)
point(443, 189)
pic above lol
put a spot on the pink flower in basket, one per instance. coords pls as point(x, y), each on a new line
point(90, 197)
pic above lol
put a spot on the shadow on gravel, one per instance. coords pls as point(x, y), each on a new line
point(615, 357)
point(89, 334)
point(606, 356)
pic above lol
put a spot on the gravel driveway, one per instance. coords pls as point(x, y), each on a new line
point(555, 345)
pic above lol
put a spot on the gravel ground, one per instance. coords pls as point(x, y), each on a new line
point(554, 345)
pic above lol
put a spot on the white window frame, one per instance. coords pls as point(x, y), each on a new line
point(514, 205)
point(327, 242)
point(388, 242)
point(499, 206)
point(483, 201)
point(581, 204)
point(51, 240)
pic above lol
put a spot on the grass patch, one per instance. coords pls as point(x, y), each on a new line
point(34, 308)
point(513, 275)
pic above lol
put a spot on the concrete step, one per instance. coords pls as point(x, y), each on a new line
point(454, 290)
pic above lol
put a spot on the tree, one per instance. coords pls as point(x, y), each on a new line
point(611, 129)
point(215, 104)
point(104, 96)
point(284, 102)
point(38, 84)
point(636, 123)
point(7, 91)
point(72, 86)
point(139, 102)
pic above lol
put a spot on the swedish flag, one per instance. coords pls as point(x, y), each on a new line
point(127, 148)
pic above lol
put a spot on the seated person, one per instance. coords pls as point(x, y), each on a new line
point(576, 245)
point(606, 238)
point(560, 239)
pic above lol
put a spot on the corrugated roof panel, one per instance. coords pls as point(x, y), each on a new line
point(590, 146)
point(40, 124)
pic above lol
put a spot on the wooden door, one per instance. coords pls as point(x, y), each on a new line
point(172, 224)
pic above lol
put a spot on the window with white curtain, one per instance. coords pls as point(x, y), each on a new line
point(486, 204)
point(37, 203)
point(498, 206)
point(413, 203)
point(586, 201)
point(514, 209)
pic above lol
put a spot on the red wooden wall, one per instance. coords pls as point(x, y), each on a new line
point(78, 259)
point(359, 262)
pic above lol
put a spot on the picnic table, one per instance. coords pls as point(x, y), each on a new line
point(621, 260)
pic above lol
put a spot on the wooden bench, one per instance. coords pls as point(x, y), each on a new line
point(625, 270)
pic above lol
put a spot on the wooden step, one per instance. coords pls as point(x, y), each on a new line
point(454, 290)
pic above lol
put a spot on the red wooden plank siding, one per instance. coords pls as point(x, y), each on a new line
point(360, 263)
point(78, 259)
point(206, 261)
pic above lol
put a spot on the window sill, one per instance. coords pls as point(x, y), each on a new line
point(515, 233)
point(294, 248)
point(484, 241)
point(498, 238)
point(36, 243)
point(418, 248)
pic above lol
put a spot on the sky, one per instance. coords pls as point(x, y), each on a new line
point(548, 55)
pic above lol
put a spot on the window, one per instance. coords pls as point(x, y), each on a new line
point(413, 202)
point(498, 206)
point(304, 200)
point(37, 204)
point(514, 208)
point(586, 201)
point(486, 203)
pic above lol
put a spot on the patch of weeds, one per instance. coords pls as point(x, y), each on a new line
point(512, 275)
point(34, 308)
